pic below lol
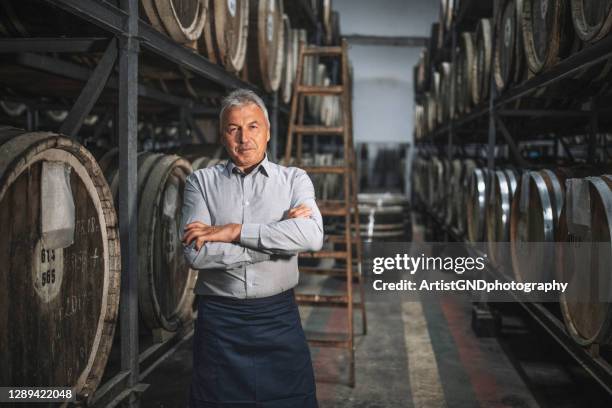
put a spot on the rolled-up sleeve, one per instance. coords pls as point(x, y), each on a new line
point(288, 237)
point(212, 255)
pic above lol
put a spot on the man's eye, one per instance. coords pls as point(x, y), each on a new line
point(253, 126)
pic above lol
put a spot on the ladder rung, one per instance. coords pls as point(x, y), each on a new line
point(325, 254)
point(325, 300)
point(326, 169)
point(340, 239)
point(332, 208)
point(320, 90)
point(323, 50)
point(319, 130)
point(322, 339)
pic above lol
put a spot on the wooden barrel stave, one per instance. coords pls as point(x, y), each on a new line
point(59, 333)
point(583, 259)
point(265, 46)
point(226, 33)
point(592, 19)
point(481, 70)
point(182, 20)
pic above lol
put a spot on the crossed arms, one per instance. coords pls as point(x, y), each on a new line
point(232, 245)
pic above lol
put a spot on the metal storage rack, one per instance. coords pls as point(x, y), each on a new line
point(128, 38)
point(493, 116)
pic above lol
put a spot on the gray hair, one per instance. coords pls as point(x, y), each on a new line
point(241, 97)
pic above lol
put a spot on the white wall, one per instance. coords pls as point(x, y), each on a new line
point(383, 89)
point(387, 17)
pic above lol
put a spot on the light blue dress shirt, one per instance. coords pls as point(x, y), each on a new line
point(264, 262)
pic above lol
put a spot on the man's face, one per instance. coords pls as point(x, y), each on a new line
point(245, 134)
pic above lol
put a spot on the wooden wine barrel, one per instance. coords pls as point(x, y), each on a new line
point(165, 280)
point(326, 20)
point(59, 287)
point(467, 60)
point(289, 66)
point(420, 127)
point(453, 188)
point(182, 20)
point(13, 109)
point(316, 100)
point(226, 33)
point(546, 32)
point(446, 95)
point(467, 167)
point(431, 108)
point(422, 72)
point(592, 19)
point(534, 218)
point(447, 10)
point(502, 190)
point(384, 217)
point(584, 259)
point(265, 45)
point(475, 204)
point(508, 59)
point(482, 68)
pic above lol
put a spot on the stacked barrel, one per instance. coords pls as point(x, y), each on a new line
point(523, 39)
point(538, 224)
point(254, 39)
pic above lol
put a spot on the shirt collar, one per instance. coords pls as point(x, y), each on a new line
point(263, 166)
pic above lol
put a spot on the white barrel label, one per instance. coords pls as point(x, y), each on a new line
point(47, 271)
point(231, 6)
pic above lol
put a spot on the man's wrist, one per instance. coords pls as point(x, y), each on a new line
point(237, 230)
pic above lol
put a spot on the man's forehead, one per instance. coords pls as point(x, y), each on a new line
point(247, 109)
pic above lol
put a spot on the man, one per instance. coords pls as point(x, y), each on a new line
point(244, 223)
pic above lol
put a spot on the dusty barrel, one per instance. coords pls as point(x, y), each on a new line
point(290, 42)
point(182, 20)
point(475, 204)
point(592, 19)
point(265, 45)
point(421, 73)
point(59, 290)
point(453, 189)
point(482, 67)
point(467, 167)
point(584, 259)
point(445, 97)
point(165, 280)
point(226, 33)
point(546, 32)
point(534, 218)
point(326, 20)
point(447, 10)
point(467, 60)
point(503, 186)
point(420, 127)
point(508, 59)
point(384, 217)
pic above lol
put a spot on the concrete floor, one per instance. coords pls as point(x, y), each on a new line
point(420, 354)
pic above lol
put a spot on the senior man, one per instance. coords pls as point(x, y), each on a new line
point(245, 222)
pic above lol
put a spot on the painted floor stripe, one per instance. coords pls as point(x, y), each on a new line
point(426, 389)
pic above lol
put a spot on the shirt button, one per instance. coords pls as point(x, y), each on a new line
point(246, 203)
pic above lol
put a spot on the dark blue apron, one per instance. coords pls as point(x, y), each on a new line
point(251, 353)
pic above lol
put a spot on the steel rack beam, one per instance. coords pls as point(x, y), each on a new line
point(585, 58)
point(90, 93)
point(59, 45)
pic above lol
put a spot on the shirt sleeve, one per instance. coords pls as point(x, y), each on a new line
point(288, 237)
point(212, 255)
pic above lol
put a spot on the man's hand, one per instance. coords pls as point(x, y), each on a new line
point(203, 233)
point(301, 211)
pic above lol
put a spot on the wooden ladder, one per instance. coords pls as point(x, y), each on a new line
point(347, 207)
